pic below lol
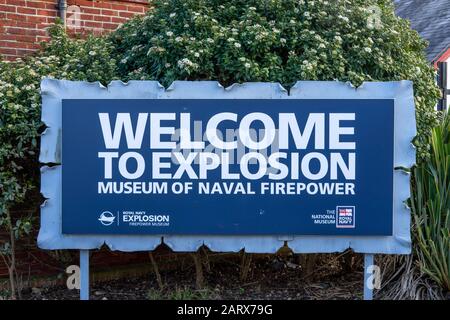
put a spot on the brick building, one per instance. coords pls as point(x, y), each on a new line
point(24, 23)
point(431, 18)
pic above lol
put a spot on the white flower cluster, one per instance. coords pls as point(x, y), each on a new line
point(186, 64)
point(345, 19)
point(155, 49)
point(308, 65)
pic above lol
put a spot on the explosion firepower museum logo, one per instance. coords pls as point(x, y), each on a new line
point(134, 219)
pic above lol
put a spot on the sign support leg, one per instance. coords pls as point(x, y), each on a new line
point(368, 287)
point(84, 274)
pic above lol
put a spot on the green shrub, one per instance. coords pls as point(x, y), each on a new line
point(20, 101)
point(278, 40)
point(431, 207)
point(20, 112)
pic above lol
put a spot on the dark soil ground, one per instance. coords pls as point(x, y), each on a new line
point(268, 278)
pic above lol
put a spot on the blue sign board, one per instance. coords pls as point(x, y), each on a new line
point(228, 166)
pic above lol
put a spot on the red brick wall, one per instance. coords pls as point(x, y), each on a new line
point(23, 23)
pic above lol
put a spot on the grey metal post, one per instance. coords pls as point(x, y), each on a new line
point(368, 287)
point(84, 274)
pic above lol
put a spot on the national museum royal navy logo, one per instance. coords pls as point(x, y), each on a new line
point(345, 217)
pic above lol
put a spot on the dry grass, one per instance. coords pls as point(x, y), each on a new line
point(403, 280)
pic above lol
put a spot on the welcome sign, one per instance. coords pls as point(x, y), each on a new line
point(251, 166)
point(228, 166)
